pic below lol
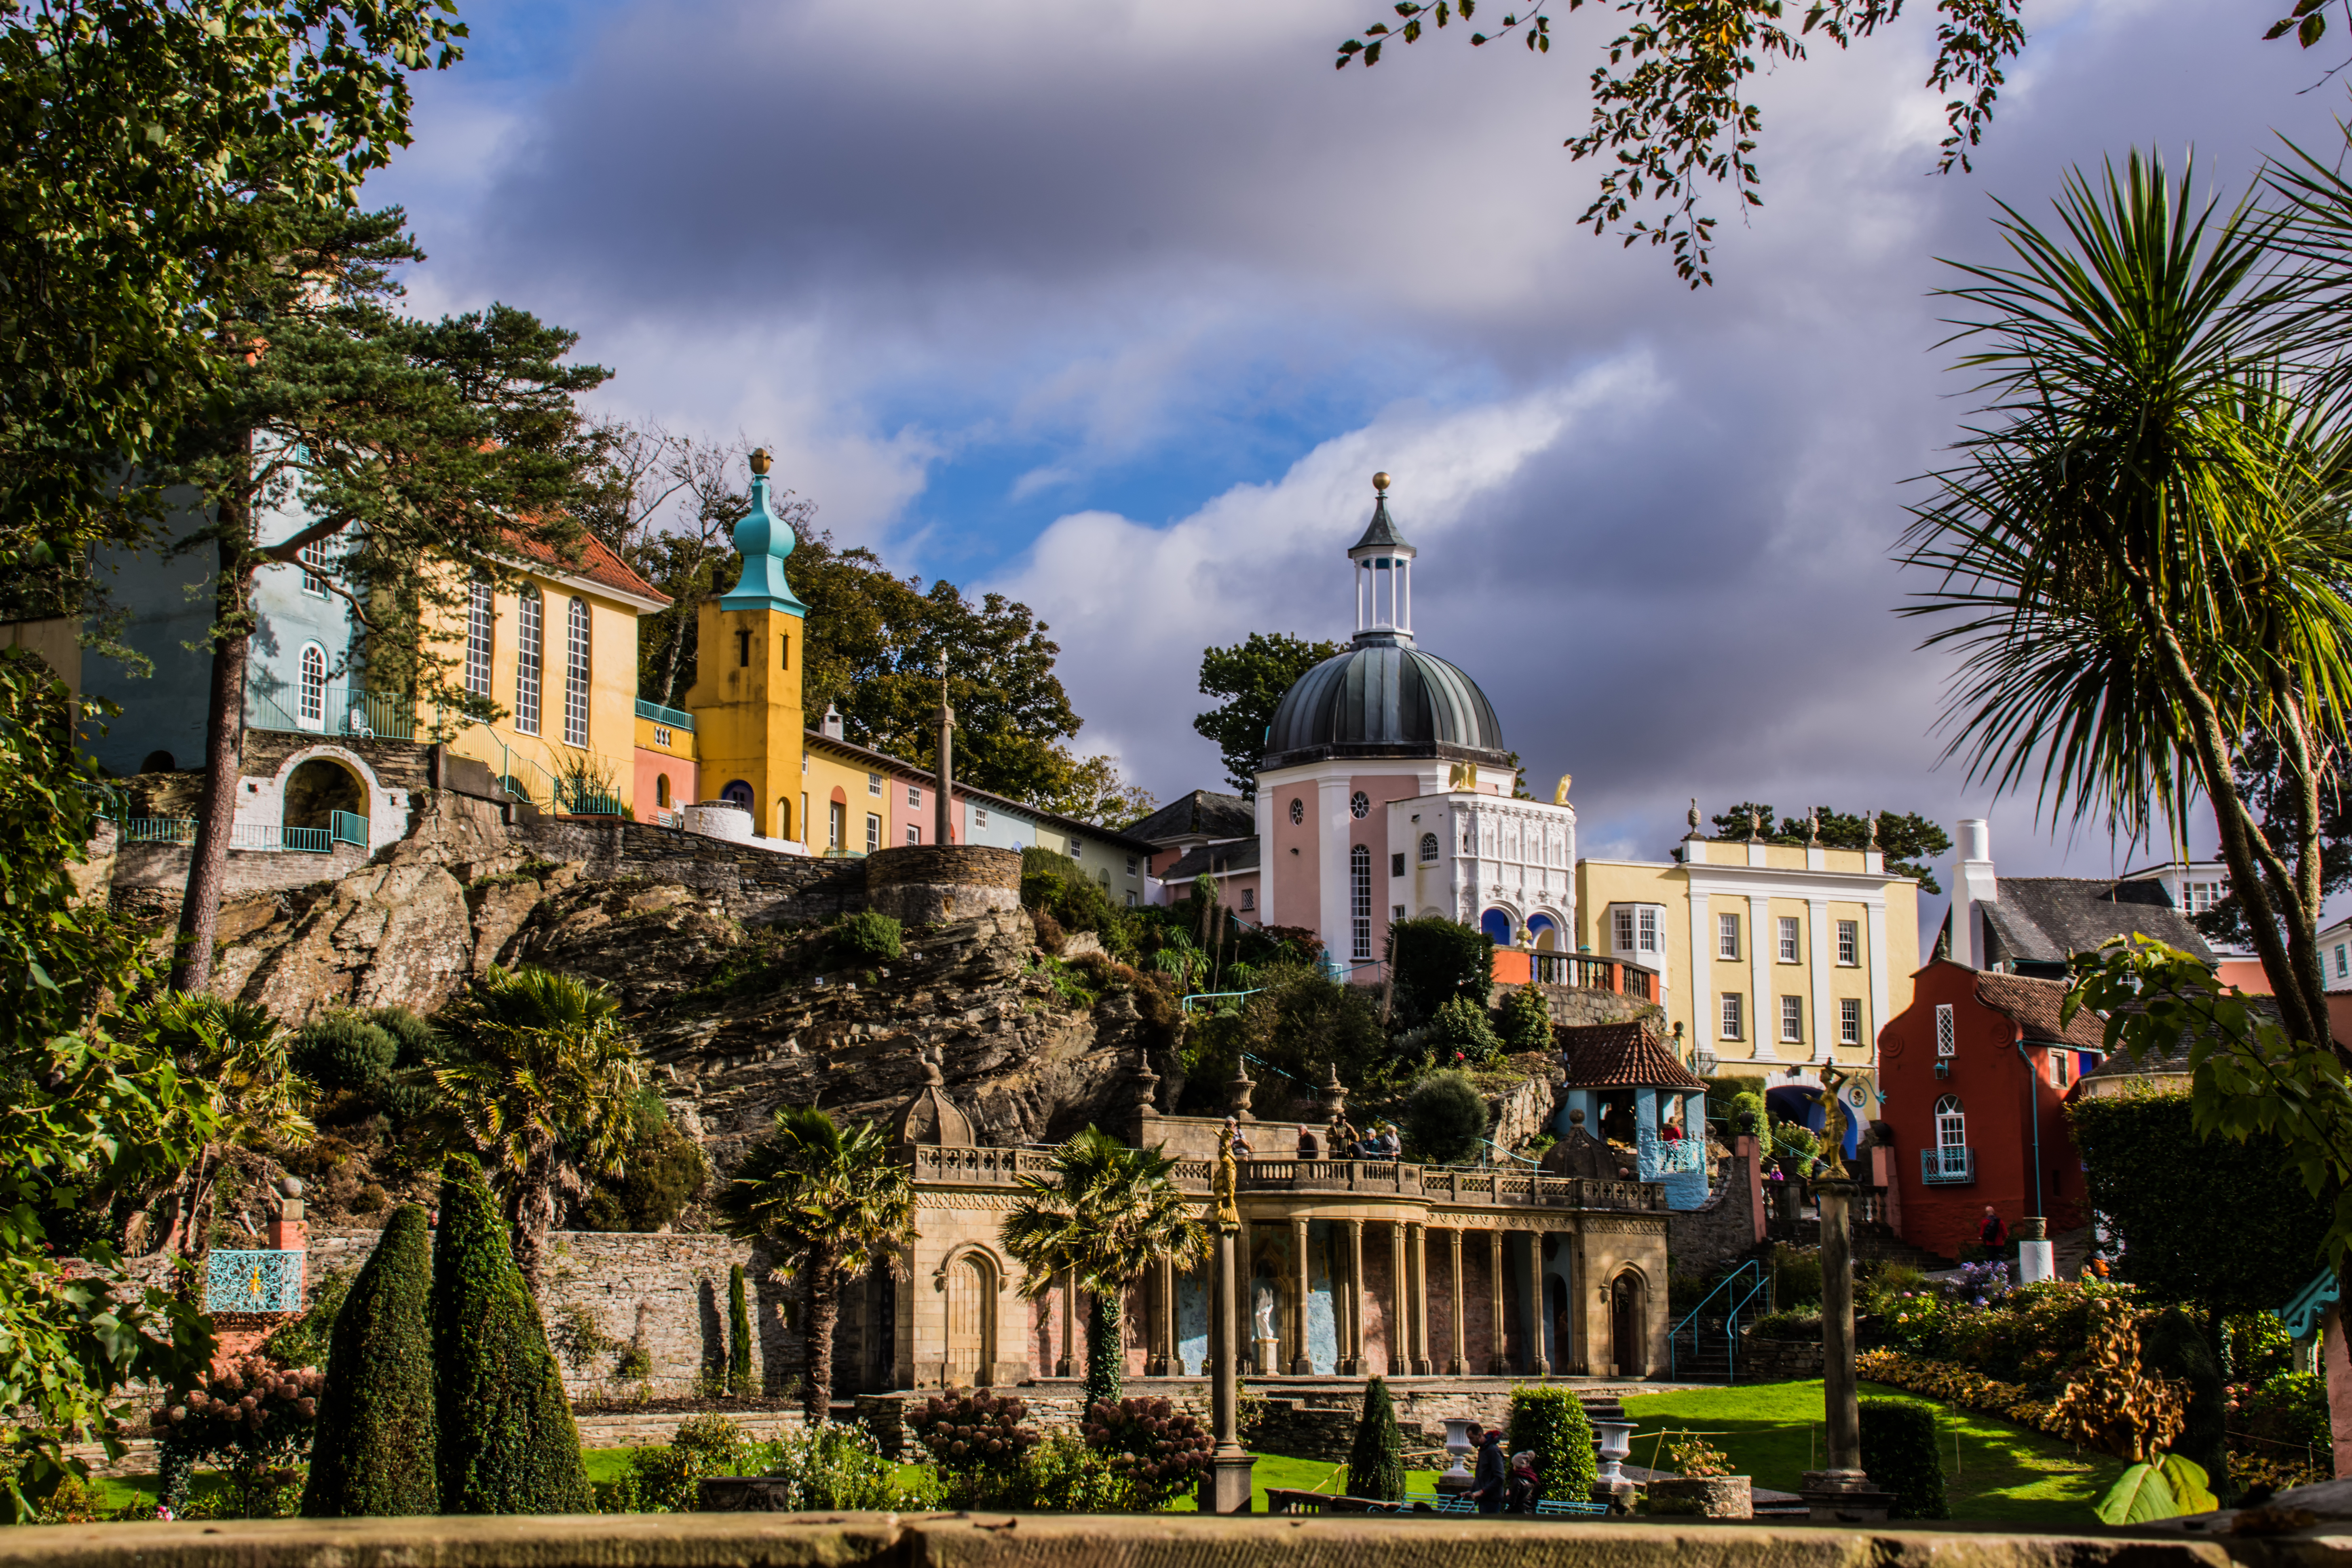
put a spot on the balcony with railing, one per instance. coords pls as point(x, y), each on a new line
point(348, 711)
point(1587, 972)
point(258, 1281)
point(1952, 1165)
point(263, 837)
point(676, 718)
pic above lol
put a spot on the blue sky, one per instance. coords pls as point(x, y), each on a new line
point(1117, 307)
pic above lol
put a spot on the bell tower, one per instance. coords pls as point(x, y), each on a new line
point(746, 697)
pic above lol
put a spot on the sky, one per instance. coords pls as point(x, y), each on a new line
point(1115, 307)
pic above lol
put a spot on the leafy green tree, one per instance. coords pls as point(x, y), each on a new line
point(1106, 1214)
point(89, 1119)
point(542, 1076)
point(1433, 960)
point(1376, 1461)
point(2265, 782)
point(2140, 556)
point(1911, 843)
point(1252, 676)
point(147, 150)
point(506, 1442)
point(1527, 1020)
point(420, 453)
point(833, 1203)
point(1446, 1118)
point(375, 1449)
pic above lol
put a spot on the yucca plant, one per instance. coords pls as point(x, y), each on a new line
point(542, 1077)
point(832, 1202)
point(1107, 1214)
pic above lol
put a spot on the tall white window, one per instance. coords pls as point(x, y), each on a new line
point(1625, 924)
point(1429, 852)
point(313, 695)
point(1734, 1022)
point(873, 833)
point(1848, 1020)
point(480, 618)
point(2340, 970)
point(575, 673)
point(1359, 901)
point(313, 557)
point(1792, 1019)
point(1951, 1125)
point(1727, 936)
point(1649, 939)
point(1788, 939)
point(913, 834)
point(1849, 942)
point(1946, 1043)
point(530, 640)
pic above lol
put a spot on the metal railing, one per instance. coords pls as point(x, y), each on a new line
point(574, 797)
point(1952, 1165)
point(275, 838)
point(158, 830)
point(1738, 1292)
point(263, 837)
point(356, 713)
point(253, 1281)
point(343, 827)
point(1589, 972)
point(672, 717)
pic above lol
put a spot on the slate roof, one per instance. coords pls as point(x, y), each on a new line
point(1381, 533)
point(1239, 855)
point(2051, 919)
point(1620, 1056)
point(1204, 813)
point(2033, 1005)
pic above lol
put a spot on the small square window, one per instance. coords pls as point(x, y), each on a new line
point(1792, 1019)
point(979, 816)
point(1132, 862)
point(1077, 850)
point(661, 736)
point(1396, 864)
point(1788, 939)
point(914, 796)
point(1734, 1004)
point(873, 784)
point(1727, 937)
point(913, 834)
point(1249, 898)
point(1396, 911)
point(1848, 1020)
point(1849, 942)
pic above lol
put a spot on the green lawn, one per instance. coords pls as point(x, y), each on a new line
point(2002, 1474)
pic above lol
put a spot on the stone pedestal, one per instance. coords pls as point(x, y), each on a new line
point(1703, 1497)
point(1269, 1357)
point(1226, 1487)
point(1841, 1492)
point(1843, 1497)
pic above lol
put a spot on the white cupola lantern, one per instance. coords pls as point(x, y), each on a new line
point(1382, 562)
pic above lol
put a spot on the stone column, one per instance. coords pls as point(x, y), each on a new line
point(1399, 1359)
point(1499, 1364)
point(1416, 1252)
point(1302, 1361)
point(1460, 1365)
point(1158, 1363)
point(1536, 1308)
point(1353, 1365)
point(1226, 1487)
point(1840, 1492)
point(1068, 1358)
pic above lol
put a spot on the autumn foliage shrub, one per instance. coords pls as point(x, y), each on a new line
point(967, 1431)
point(1157, 1448)
point(253, 1419)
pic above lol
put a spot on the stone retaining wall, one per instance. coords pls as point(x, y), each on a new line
point(1778, 1361)
point(930, 884)
point(751, 884)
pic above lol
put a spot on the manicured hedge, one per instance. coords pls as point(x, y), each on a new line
point(1899, 1449)
point(1376, 1463)
point(373, 1454)
point(1551, 1423)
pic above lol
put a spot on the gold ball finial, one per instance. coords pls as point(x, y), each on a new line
point(759, 459)
point(1379, 481)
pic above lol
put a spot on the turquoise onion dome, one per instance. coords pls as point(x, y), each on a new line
point(763, 538)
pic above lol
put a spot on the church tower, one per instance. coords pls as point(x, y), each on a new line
point(746, 697)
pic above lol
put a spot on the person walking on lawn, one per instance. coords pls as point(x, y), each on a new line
point(1490, 1484)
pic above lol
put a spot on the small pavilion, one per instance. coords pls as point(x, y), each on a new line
point(1630, 1088)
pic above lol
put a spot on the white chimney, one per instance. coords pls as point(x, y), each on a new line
point(830, 725)
point(1977, 885)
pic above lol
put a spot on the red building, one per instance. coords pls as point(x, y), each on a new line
point(1974, 1074)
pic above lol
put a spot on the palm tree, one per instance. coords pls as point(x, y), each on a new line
point(544, 1079)
point(1107, 1214)
point(2144, 549)
point(833, 1204)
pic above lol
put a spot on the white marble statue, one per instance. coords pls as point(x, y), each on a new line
point(1265, 1312)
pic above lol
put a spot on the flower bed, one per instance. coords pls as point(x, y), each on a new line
point(1956, 1385)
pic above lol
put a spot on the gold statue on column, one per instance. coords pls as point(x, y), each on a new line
point(1227, 1184)
point(1833, 1124)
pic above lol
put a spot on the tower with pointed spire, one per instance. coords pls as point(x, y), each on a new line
point(746, 697)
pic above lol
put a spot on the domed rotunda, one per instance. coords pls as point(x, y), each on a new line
point(1385, 789)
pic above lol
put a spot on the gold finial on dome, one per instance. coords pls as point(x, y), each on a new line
point(759, 459)
point(1379, 481)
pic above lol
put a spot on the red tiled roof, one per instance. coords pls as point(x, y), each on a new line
point(593, 561)
point(2033, 1005)
point(1612, 1055)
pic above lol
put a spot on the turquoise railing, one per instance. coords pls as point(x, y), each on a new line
point(339, 711)
point(2310, 1303)
point(268, 837)
point(158, 830)
point(253, 1281)
point(345, 828)
point(1949, 1166)
point(577, 799)
point(1738, 1291)
point(672, 717)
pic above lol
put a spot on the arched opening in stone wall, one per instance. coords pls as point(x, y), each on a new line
point(1628, 1344)
point(1546, 933)
point(972, 1313)
point(159, 763)
point(1497, 924)
point(319, 788)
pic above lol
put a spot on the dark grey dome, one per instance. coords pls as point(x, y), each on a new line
point(1383, 697)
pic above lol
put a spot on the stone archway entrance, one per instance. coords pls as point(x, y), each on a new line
point(1628, 1345)
point(972, 1308)
point(323, 793)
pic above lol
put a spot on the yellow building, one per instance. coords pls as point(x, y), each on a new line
point(1776, 955)
point(558, 651)
point(746, 697)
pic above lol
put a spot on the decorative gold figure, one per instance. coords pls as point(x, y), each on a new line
point(1560, 796)
point(1228, 1183)
point(1833, 1124)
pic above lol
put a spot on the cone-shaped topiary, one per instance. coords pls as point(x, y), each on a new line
point(373, 1454)
point(738, 1336)
point(1376, 1463)
point(508, 1444)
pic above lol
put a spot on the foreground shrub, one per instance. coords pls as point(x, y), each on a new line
point(252, 1419)
point(1899, 1449)
point(1551, 1423)
point(840, 1466)
point(1798, 1323)
point(1446, 1117)
point(964, 1431)
point(867, 935)
point(1527, 1020)
point(1159, 1449)
point(667, 1479)
point(373, 1455)
point(1376, 1463)
point(345, 1051)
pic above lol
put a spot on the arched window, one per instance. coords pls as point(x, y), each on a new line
point(1429, 845)
point(661, 790)
point(1544, 932)
point(530, 636)
point(313, 711)
point(784, 819)
point(1359, 901)
point(737, 793)
point(1949, 1162)
point(575, 674)
point(479, 621)
point(1497, 923)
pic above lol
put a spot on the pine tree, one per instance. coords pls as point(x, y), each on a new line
point(374, 1454)
point(738, 1336)
point(1376, 1463)
point(508, 1444)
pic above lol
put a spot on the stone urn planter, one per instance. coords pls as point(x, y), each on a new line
point(1702, 1497)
